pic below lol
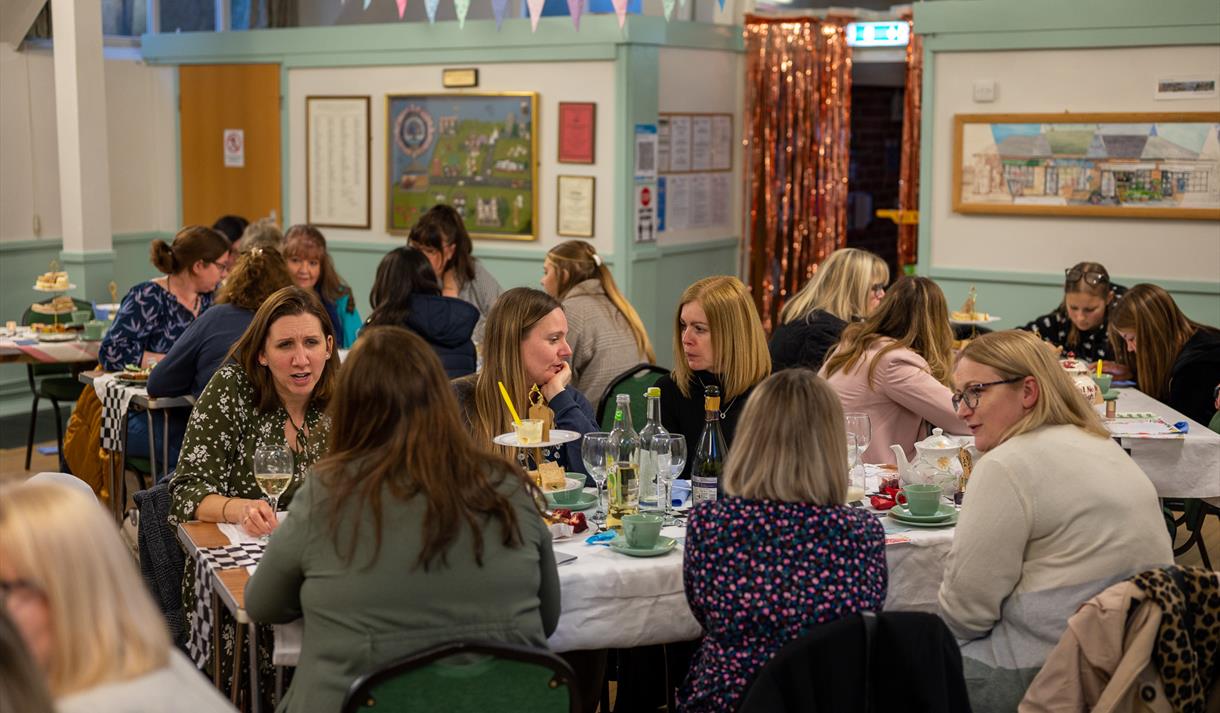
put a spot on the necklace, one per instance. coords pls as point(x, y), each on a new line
point(725, 411)
point(169, 288)
point(300, 431)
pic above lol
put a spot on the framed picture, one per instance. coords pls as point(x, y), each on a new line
point(337, 158)
point(575, 206)
point(577, 132)
point(477, 152)
point(1112, 165)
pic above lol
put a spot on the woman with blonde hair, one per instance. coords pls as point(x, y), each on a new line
point(718, 341)
point(847, 287)
point(1054, 513)
point(604, 331)
point(790, 466)
point(1175, 359)
point(313, 269)
point(894, 366)
point(525, 345)
point(71, 587)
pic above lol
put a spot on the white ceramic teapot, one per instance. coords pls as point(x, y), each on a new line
point(936, 461)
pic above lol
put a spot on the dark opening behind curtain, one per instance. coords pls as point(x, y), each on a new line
point(797, 135)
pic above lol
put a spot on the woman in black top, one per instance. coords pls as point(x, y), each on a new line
point(1078, 324)
point(847, 286)
point(718, 341)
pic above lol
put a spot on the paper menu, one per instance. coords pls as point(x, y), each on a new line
point(1141, 425)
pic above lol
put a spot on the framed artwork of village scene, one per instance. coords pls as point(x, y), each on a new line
point(1114, 164)
point(474, 151)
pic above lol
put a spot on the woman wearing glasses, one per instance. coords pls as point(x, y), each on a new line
point(895, 367)
point(847, 287)
point(1078, 324)
point(1054, 513)
point(1176, 360)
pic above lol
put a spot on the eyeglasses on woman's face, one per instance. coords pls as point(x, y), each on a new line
point(1073, 275)
point(878, 289)
point(970, 395)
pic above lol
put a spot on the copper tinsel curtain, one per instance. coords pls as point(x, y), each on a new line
point(797, 136)
point(908, 175)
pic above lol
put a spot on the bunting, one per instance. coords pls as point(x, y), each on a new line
point(366, 4)
point(402, 8)
point(575, 8)
point(535, 9)
point(620, 9)
point(669, 9)
point(462, 7)
point(499, 8)
point(430, 8)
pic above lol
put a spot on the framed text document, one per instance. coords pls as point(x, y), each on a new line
point(575, 206)
point(337, 161)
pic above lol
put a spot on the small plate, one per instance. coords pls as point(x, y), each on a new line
point(587, 500)
point(57, 337)
point(54, 289)
point(989, 320)
point(664, 544)
point(901, 512)
point(911, 523)
point(558, 438)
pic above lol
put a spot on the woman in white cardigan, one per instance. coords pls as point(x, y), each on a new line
point(1054, 513)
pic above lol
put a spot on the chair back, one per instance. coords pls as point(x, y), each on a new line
point(161, 557)
point(472, 676)
point(65, 479)
point(633, 382)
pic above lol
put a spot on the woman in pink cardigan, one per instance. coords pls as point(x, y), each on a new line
point(895, 367)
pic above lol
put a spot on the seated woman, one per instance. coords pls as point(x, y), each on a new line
point(1054, 513)
point(847, 287)
point(1176, 360)
point(262, 233)
point(1079, 323)
point(272, 391)
point(312, 269)
point(604, 331)
point(894, 366)
point(154, 314)
point(406, 294)
point(69, 583)
point(441, 235)
point(525, 346)
point(200, 350)
point(718, 341)
point(406, 535)
point(790, 466)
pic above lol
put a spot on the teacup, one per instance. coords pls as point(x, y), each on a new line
point(921, 498)
point(642, 530)
point(572, 490)
point(529, 430)
point(93, 330)
point(1103, 382)
point(80, 316)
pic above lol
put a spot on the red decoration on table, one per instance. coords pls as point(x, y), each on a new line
point(886, 499)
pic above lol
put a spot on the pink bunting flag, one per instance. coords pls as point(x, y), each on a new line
point(575, 8)
point(462, 7)
point(620, 9)
point(430, 8)
point(535, 8)
point(402, 8)
point(669, 9)
point(498, 8)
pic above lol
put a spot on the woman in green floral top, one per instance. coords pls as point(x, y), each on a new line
point(273, 390)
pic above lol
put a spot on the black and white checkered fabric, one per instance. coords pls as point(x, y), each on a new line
point(115, 399)
point(203, 620)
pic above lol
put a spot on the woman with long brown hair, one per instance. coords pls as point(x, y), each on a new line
point(313, 269)
point(604, 330)
point(1079, 323)
point(1175, 359)
point(895, 366)
point(409, 534)
point(441, 235)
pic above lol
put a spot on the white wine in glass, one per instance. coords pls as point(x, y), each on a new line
point(273, 471)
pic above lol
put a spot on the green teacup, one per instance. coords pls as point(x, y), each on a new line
point(642, 530)
point(80, 316)
point(94, 329)
point(574, 488)
point(1103, 382)
point(922, 499)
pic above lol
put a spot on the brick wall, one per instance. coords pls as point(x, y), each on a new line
point(876, 136)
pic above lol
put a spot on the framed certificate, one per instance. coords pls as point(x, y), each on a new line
point(577, 131)
point(574, 212)
point(337, 161)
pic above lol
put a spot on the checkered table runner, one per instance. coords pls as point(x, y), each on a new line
point(206, 560)
point(115, 399)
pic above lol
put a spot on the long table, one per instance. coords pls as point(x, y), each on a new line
point(1187, 467)
point(29, 350)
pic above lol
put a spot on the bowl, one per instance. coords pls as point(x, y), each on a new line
point(570, 494)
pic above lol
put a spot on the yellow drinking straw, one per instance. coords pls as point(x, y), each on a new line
point(1099, 368)
point(509, 402)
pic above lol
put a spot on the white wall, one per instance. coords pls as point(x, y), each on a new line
point(140, 120)
point(554, 82)
point(1085, 80)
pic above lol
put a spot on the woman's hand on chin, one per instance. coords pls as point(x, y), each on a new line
point(557, 383)
point(258, 519)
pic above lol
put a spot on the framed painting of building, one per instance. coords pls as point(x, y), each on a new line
point(1113, 165)
point(475, 151)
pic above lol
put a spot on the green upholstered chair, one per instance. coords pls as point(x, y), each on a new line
point(633, 382)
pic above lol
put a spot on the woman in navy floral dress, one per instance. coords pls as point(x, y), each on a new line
point(155, 313)
point(781, 552)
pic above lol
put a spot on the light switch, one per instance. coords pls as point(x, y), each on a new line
point(984, 90)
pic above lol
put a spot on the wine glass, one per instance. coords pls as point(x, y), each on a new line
point(859, 425)
point(670, 450)
point(593, 451)
point(855, 479)
point(273, 471)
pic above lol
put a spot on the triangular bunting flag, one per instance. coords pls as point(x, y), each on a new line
point(721, 5)
point(498, 8)
point(402, 8)
point(575, 8)
point(669, 9)
point(462, 7)
point(430, 8)
point(535, 8)
point(366, 4)
point(620, 9)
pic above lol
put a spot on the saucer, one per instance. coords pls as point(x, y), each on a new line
point(942, 513)
point(912, 523)
point(587, 500)
point(558, 437)
point(664, 544)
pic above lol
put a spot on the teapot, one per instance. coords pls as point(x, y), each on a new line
point(934, 461)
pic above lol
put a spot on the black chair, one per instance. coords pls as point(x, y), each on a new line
point(161, 558)
point(1191, 513)
point(633, 382)
point(55, 382)
point(866, 663)
point(472, 676)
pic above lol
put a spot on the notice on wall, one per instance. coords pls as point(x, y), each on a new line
point(645, 214)
point(696, 200)
point(234, 148)
point(722, 142)
point(663, 144)
point(337, 161)
point(701, 143)
point(645, 152)
point(695, 143)
point(679, 143)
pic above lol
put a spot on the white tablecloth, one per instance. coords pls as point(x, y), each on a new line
point(1180, 468)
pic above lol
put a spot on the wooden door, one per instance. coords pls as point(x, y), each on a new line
point(216, 98)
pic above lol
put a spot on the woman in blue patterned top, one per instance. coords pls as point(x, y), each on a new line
point(781, 553)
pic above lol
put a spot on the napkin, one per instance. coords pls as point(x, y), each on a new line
point(885, 499)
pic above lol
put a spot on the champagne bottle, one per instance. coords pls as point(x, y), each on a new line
point(623, 464)
point(651, 491)
point(709, 456)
